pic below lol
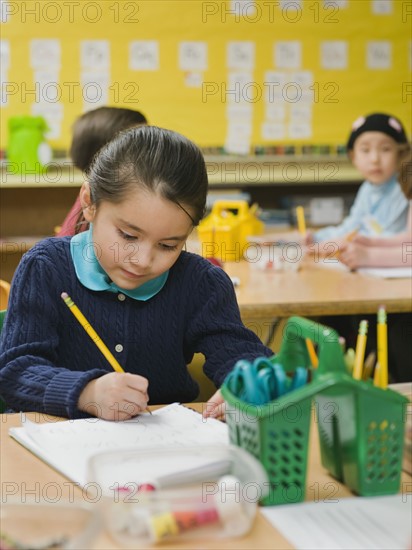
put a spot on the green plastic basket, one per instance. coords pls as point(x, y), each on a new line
point(360, 427)
point(278, 433)
point(361, 432)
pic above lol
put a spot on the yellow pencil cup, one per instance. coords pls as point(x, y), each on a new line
point(223, 233)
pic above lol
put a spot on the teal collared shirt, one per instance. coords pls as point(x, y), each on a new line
point(91, 274)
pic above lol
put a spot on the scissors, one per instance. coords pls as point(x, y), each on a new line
point(262, 381)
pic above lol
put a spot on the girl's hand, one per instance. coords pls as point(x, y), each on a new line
point(308, 239)
point(354, 255)
point(215, 407)
point(115, 396)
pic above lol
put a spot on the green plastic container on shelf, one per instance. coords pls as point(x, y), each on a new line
point(360, 426)
point(27, 150)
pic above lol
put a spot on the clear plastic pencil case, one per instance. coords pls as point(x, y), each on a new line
point(182, 493)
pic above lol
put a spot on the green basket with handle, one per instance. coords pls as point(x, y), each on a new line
point(360, 426)
point(277, 433)
point(361, 432)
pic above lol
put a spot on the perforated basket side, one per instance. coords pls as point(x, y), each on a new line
point(373, 460)
point(278, 438)
point(284, 452)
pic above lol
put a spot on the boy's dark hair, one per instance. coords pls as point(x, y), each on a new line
point(152, 158)
point(95, 128)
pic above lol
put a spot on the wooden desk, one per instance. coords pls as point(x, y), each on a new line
point(315, 291)
point(22, 473)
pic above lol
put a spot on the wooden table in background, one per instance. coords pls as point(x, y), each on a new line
point(315, 291)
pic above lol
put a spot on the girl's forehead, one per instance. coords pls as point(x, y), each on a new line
point(374, 138)
point(145, 208)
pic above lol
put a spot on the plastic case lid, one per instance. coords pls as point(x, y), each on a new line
point(178, 493)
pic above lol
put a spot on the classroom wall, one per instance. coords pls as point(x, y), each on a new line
point(236, 74)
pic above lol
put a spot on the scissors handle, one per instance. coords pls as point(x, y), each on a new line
point(299, 379)
point(262, 381)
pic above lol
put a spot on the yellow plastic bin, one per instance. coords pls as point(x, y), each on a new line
point(223, 233)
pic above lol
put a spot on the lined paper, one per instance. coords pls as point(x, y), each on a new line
point(361, 523)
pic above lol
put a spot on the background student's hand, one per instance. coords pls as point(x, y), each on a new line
point(354, 255)
point(363, 239)
point(328, 251)
point(215, 407)
point(308, 238)
point(372, 241)
point(115, 396)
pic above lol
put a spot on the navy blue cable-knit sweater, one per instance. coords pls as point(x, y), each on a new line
point(46, 357)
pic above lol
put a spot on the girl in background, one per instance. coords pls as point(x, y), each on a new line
point(377, 145)
point(394, 251)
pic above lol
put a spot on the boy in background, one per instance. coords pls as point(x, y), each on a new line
point(91, 131)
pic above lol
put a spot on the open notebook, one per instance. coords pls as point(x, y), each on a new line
point(68, 445)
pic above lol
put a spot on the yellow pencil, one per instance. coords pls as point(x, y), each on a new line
point(376, 375)
point(350, 236)
point(300, 217)
point(360, 349)
point(349, 359)
point(368, 366)
point(312, 353)
point(382, 331)
point(93, 334)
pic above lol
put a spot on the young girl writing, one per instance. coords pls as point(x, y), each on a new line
point(376, 146)
point(153, 304)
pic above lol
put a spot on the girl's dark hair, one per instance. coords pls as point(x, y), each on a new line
point(95, 128)
point(152, 158)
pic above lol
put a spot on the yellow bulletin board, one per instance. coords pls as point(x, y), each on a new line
point(238, 74)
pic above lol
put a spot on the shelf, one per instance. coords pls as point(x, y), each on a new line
point(32, 205)
point(223, 171)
